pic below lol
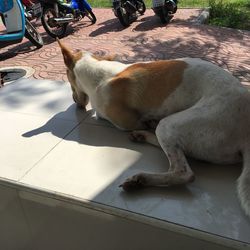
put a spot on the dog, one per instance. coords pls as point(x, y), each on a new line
point(199, 109)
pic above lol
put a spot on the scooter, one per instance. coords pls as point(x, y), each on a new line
point(127, 10)
point(57, 14)
point(17, 25)
point(165, 9)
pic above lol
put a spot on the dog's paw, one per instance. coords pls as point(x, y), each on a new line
point(135, 182)
point(137, 136)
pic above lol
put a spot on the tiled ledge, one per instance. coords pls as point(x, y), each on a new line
point(51, 149)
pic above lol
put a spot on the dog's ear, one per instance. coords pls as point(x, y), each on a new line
point(69, 57)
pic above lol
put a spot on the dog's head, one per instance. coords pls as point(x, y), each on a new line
point(70, 60)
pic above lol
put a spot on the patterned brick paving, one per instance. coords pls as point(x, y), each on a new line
point(146, 39)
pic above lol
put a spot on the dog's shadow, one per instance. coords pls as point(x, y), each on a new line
point(54, 124)
point(91, 131)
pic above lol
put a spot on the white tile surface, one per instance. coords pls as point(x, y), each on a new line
point(99, 158)
point(24, 140)
point(35, 116)
point(40, 98)
point(95, 156)
point(47, 143)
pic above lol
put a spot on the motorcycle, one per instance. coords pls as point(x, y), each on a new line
point(33, 9)
point(17, 25)
point(127, 10)
point(165, 9)
point(57, 14)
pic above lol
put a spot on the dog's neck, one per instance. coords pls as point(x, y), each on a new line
point(91, 72)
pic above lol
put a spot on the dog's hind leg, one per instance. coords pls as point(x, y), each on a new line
point(179, 171)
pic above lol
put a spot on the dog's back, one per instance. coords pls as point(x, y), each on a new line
point(165, 87)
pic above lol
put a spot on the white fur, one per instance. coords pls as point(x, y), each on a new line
point(91, 73)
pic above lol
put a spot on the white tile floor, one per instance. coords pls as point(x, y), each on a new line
point(47, 143)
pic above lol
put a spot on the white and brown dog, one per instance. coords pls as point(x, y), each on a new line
point(203, 111)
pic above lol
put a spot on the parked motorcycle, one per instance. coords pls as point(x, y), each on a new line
point(127, 10)
point(33, 9)
point(17, 25)
point(165, 9)
point(57, 14)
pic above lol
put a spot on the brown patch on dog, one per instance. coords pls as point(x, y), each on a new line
point(144, 86)
point(124, 117)
point(118, 111)
point(151, 83)
point(140, 87)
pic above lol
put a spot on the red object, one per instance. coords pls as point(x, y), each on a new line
point(28, 3)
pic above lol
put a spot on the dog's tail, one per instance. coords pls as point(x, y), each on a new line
point(244, 183)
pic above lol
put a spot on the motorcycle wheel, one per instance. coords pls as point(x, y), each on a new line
point(55, 30)
point(141, 7)
point(91, 16)
point(32, 34)
point(164, 17)
point(123, 16)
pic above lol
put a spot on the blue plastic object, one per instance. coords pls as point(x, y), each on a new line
point(74, 4)
point(80, 4)
point(15, 36)
point(6, 5)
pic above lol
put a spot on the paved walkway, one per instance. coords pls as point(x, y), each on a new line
point(146, 39)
